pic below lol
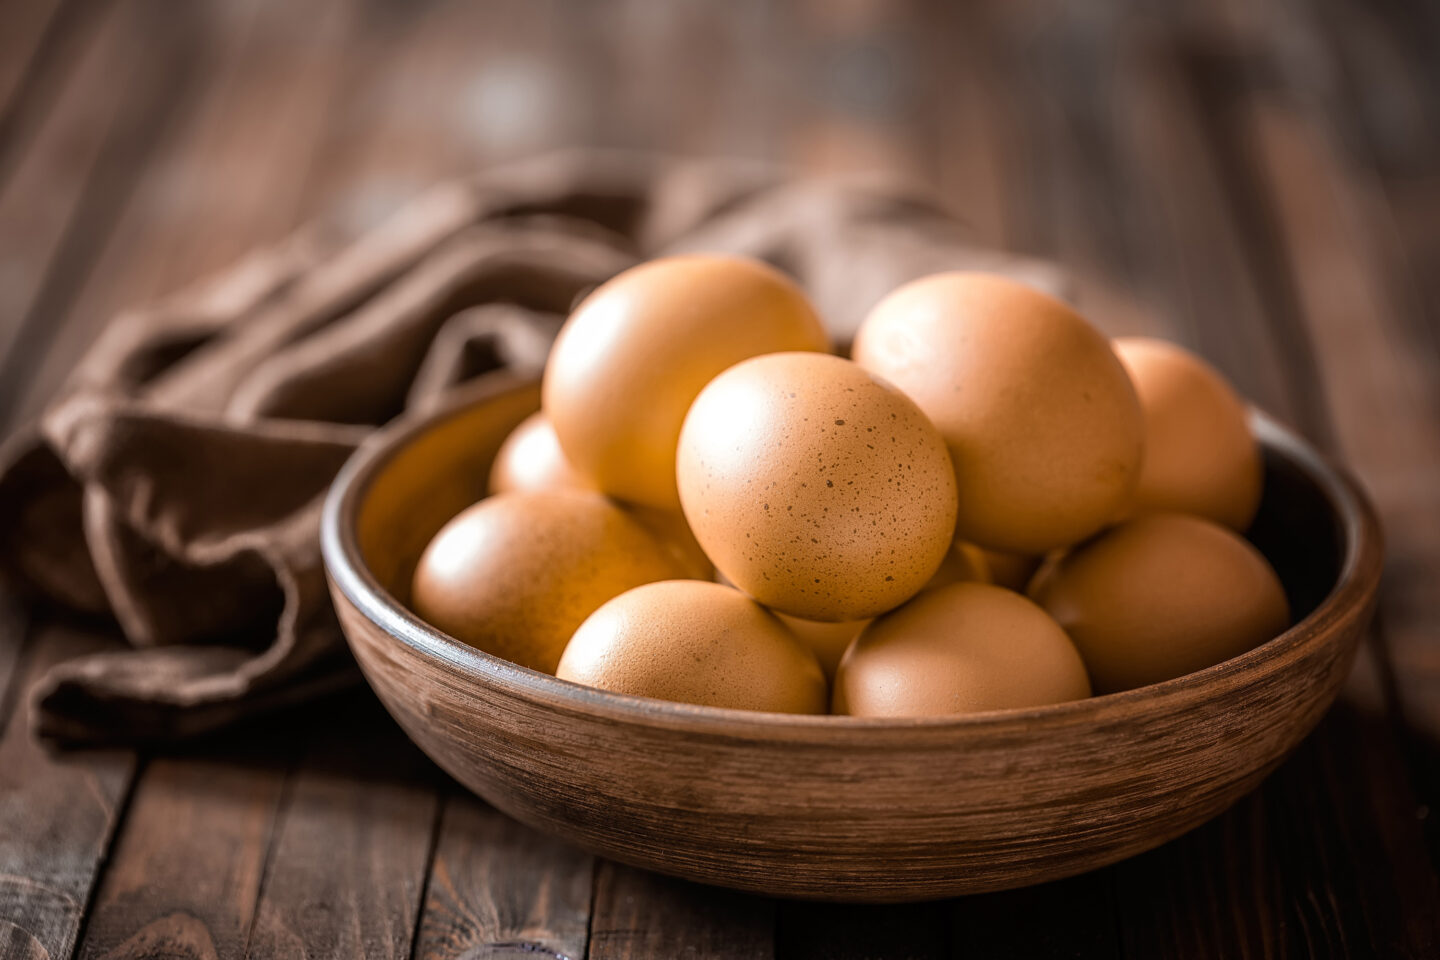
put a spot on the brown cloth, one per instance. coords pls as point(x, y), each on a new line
point(176, 483)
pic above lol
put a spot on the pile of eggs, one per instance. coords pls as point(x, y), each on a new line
point(989, 505)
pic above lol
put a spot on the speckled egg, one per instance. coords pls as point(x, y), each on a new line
point(531, 459)
point(816, 487)
point(1161, 596)
point(1200, 456)
point(1039, 415)
point(963, 648)
point(634, 354)
point(515, 574)
point(695, 642)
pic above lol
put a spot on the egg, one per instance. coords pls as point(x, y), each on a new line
point(827, 641)
point(1161, 596)
point(515, 574)
point(635, 353)
point(670, 528)
point(815, 487)
point(1011, 570)
point(964, 563)
point(531, 459)
point(1040, 417)
point(695, 642)
point(962, 648)
point(1200, 456)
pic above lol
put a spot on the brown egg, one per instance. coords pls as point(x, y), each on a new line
point(1011, 570)
point(962, 648)
point(1041, 420)
point(670, 528)
point(828, 641)
point(515, 574)
point(695, 642)
point(531, 459)
point(815, 487)
point(964, 563)
point(1161, 596)
point(1200, 456)
point(635, 353)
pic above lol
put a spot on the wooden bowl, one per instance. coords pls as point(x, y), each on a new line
point(838, 808)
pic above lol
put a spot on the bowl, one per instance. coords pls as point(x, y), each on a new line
point(837, 808)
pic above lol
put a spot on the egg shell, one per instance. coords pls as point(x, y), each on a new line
point(1040, 417)
point(695, 642)
point(1200, 456)
point(1161, 596)
point(828, 641)
point(515, 574)
point(531, 459)
point(1011, 570)
point(815, 487)
point(963, 648)
point(635, 353)
point(963, 563)
point(671, 528)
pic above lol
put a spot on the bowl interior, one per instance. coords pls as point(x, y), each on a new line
point(433, 474)
point(426, 472)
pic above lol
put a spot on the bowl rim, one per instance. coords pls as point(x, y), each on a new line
point(1354, 589)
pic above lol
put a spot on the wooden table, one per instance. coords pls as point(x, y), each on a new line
point(1266, 181)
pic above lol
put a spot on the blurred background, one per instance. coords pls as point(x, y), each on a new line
point(1258, 181)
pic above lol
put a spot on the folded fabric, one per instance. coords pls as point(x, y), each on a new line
point(175, 484)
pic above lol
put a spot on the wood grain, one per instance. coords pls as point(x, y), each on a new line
point(500, 890)
point(57, 817)
point(59, 200)
point(185, 872)
point(215, 178)
point(643, 916)
point(351, 846)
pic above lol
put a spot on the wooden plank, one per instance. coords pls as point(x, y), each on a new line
point(27, 30)
point(58, 814)
point(255, 89)
point(185, 872)
point(643, 916)
point(499, 889)
point(443, 92)
point(185, 877)
point(352, 842)
point(76, 167)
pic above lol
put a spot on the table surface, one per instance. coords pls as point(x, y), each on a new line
point(1265, 181)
